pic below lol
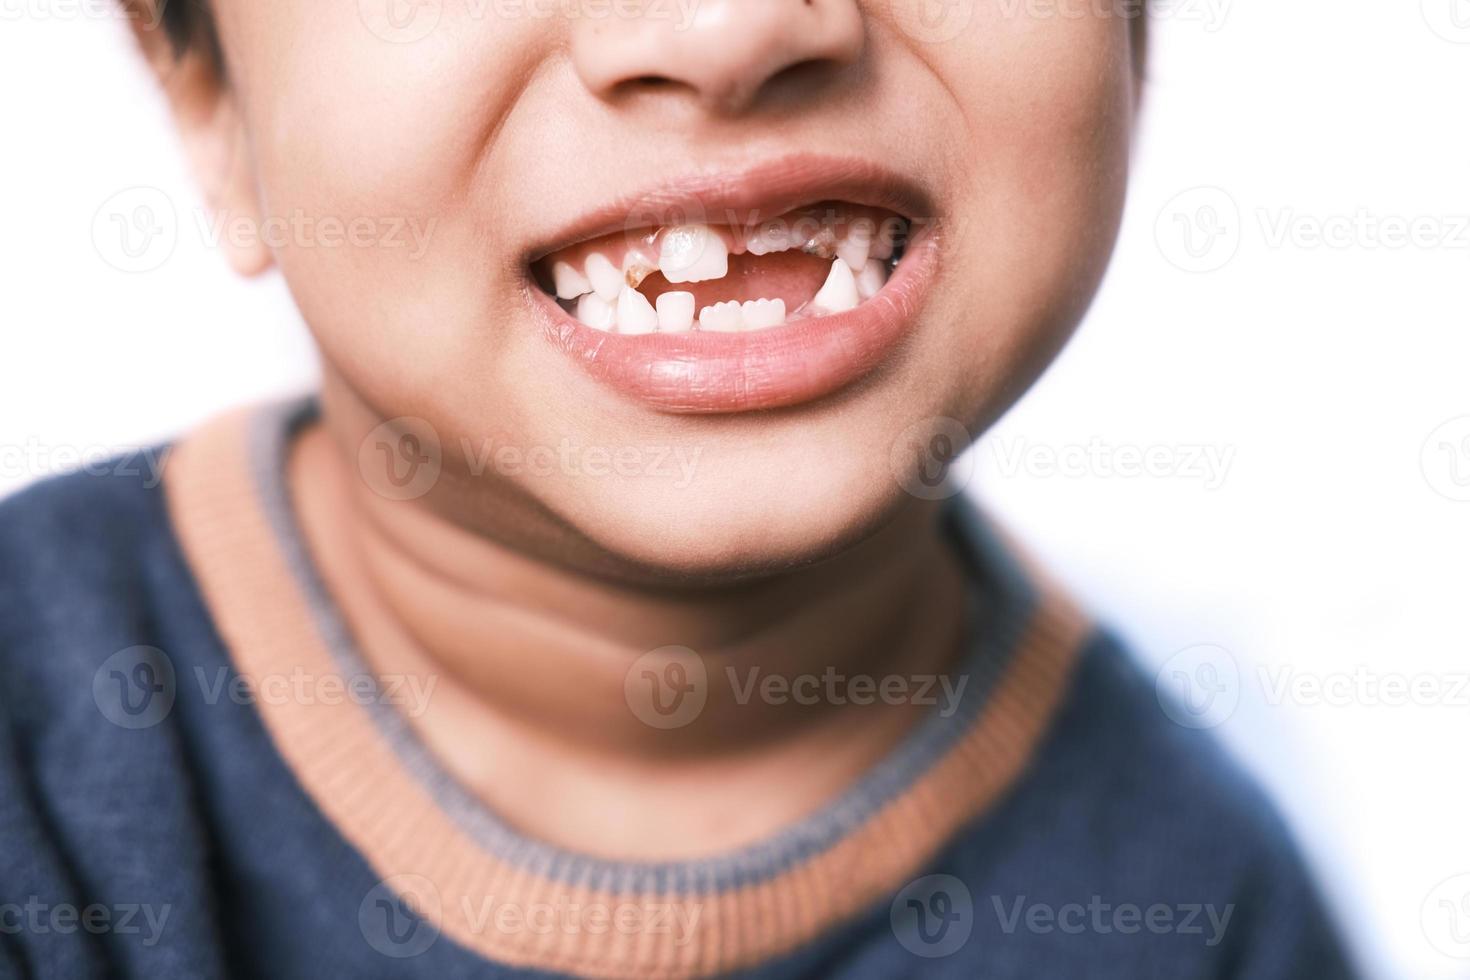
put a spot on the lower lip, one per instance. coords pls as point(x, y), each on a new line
point(709, 373)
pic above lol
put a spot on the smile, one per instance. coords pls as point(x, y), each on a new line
point(736, 277)
point(764, 289)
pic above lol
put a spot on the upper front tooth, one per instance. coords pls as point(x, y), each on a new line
point(635, 313)
point(568, 281)
point(675, 312)
point(638, 265)
point(872, 278)
point(721, 317)
point(839, 293)
point(757, 314)
point(693, 253)
point(606, 278)
point(771, 236)
point(595, 311)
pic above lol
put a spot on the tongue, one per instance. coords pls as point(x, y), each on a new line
point(791, 276)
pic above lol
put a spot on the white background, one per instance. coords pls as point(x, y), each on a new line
point(1325, 546)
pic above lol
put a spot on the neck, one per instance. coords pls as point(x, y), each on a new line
point(534, 652)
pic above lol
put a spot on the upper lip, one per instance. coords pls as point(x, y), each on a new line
point(770, 188)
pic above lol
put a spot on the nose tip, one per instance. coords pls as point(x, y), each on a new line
point(722, 54)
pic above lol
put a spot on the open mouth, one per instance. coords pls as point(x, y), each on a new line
point(736, 276)
point(738, 291)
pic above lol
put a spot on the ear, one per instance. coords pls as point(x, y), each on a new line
point(210, 125)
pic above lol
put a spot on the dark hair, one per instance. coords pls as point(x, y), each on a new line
point(190, 26)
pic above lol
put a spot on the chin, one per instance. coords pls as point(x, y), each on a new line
point(744, 516)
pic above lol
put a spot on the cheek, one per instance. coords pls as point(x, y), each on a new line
point(1048, 109)
point(349, 130)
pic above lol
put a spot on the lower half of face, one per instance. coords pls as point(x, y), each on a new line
point(669, 301)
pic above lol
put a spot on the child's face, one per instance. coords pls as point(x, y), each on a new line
point(502, 126)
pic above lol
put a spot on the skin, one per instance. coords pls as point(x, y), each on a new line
point(791, 545)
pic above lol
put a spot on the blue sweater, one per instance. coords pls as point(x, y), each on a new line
point(157, 827)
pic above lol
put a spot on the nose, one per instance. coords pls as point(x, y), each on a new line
point(725, 55)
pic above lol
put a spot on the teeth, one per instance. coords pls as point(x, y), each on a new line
point(597, 312)
point(569, 282)
point(873, 277)
point(813, 237)
point(693, 253)
point(758, 314)
point(722, 317)
point(606, 278)
point(769, 237)
point(803, 230)
point(637, 266)
point(839, 293)
point(887, 237)
point(675, 312)
point(855, 247)
point(635, 312)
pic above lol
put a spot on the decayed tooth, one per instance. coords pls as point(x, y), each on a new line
point(856, 244)
point(635, 312)
point(693, 253)
point(803, 230)
point(873, 277)
point(606, 278)
point(724, 317)
point(637, 266)
point(758, 314)
point(675, 312)
point(568, 281)
point(839, 293)
point(595, 311)
point(814, 237)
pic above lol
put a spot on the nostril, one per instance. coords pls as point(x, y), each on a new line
point(807, 72)
point(645, 84)
point(727, 57)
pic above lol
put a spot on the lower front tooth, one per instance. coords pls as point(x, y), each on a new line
point(597, 312)
point(873, 278)
point(758, 314)
point(675, 312)
point(635, 314)
point(722, 317)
